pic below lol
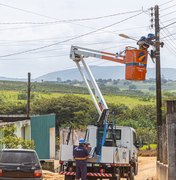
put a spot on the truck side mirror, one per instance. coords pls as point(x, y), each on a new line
point(138, 144)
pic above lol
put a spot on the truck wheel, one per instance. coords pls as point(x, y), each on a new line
point(91, 178)
point(115, 178)
point(69, 177)
point(131, 174)
point(136, 169)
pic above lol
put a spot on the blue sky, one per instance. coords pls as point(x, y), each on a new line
point(28, 25)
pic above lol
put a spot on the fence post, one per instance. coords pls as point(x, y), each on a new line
point(171, 139)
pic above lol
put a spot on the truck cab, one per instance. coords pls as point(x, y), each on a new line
point(122, 137)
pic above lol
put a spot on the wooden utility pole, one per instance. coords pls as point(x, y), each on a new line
point(158, 82)
point(28, 94)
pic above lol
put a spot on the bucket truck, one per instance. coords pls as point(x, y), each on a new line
point(113, 149)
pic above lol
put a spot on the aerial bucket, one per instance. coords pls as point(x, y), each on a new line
point(136, 63)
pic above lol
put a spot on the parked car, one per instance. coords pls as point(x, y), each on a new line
point(20, 164)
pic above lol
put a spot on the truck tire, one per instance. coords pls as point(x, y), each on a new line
point(136, 169)
point(115, 178)
point(69, 177)
point(131, 174)
point(91, 178)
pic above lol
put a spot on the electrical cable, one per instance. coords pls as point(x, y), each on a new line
point(168, 14)
point(169, 20)
point(168, 8)
point(170, 44)
point(69, 20)
point(168, 36)
point(26, 11)
point(167, 25)
point(44, 15)
point(82, 35)
point(166, 3)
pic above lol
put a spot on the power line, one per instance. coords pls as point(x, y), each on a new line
point(31, 12)
point(139, 27)
point(168, 14)
point(166, 3)
point(26, 11)
point(170, 44)
point(168, 7)
point(169, 20)
point(168, 25)
point(69, 20)
point(82, 35)
point(168, 36)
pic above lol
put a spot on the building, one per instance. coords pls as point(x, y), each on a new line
point(40, 129)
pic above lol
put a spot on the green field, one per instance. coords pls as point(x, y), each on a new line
point(130, 101)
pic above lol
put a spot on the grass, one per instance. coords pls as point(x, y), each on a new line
point(152, 146)
point(128, 101)
point(113, 99)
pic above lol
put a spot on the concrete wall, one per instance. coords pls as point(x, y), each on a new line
point(162, 171)
point(23, 129)
point(166, 164)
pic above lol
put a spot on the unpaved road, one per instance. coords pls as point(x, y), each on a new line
point(147, 170)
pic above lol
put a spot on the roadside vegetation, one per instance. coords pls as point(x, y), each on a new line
point(10, 140)
point(74, 108)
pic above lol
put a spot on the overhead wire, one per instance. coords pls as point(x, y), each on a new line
point(70, 20)
point(166, 3)
point(168, 36)
point(82, 35)
point(36, 57)
point(54, 43)
point(168, 25)
point(74, 19)
point(168, 14)
point(26, 11)
point(31, 12)
point(172, 47)
point(168, 20)
point(54, 38)
point(168, 8)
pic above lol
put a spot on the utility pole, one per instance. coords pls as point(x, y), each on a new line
point(28, 94)
point(158, 82)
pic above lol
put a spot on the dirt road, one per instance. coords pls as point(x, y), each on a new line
point(147, 170)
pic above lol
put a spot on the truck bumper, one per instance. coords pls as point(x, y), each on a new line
point(88, 174)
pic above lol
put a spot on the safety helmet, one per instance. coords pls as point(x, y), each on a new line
point(81, 141)
point(143, 38)
point(150, 36)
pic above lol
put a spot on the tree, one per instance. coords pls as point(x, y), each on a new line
point(10, 140)
point(70, 110)
point(152, 88)
point(132, 87)
point(147, 135)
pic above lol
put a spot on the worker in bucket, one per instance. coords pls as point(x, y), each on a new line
point(145, 42)
point(81, 154)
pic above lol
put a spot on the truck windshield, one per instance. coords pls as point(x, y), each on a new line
point(117, 134)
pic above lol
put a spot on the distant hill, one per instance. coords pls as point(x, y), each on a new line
point(12, 79)
point(100, 72)
point(103, 72)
